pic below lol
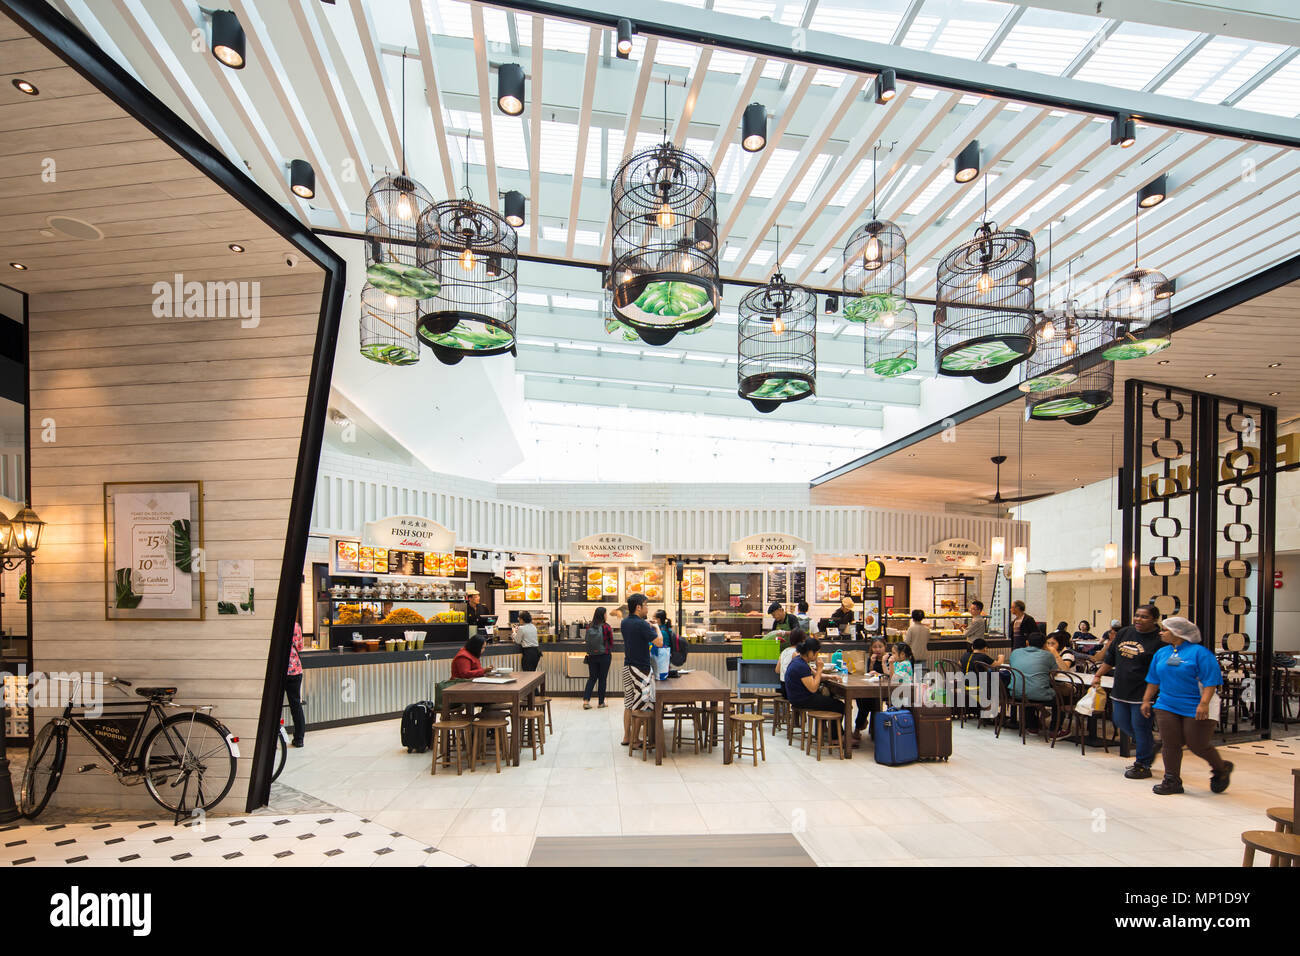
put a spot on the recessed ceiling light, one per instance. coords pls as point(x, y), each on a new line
point(1210, 374)
point(25, 86)
point(1275, 365)
point(236, 247)
point(18, 265)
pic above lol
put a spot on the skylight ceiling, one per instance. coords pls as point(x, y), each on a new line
point(324, 82)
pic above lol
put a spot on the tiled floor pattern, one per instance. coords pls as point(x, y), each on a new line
point(995, 803)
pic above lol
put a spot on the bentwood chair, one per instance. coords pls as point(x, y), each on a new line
point(1020, 705)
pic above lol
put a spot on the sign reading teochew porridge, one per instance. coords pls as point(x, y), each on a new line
point(409, 532)
point(609, 548)
point(771, 546)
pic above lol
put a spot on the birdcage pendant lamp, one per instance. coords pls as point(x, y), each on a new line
point(388, 327)
point(1076, 400)
point(394, 206)
point(984, 305)
point(663, 229)
point(776, 359)
point(474, 253)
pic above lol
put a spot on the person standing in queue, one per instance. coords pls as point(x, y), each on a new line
point(639, 635)
point(1022, 625)
point(1129, 656)
point(1186, 675)
point(526, 637)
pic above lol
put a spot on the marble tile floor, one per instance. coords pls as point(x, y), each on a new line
point(995, 803)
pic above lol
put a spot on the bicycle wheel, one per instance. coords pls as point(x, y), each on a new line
point(188, 763)
point(44, 768)
point(281, 756)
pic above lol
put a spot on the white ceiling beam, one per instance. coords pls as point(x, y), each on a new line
point(785, 114)
point(267, 61)
point(823, 127)
point(433, 96)
point(535, 133)
point(485, 104)
point(584, 129)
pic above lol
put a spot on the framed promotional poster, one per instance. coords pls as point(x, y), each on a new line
point(153, 551)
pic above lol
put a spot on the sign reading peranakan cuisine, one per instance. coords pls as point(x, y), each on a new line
point(409, 532)
point(608, 548)
point(956, 552)
point(771, 546)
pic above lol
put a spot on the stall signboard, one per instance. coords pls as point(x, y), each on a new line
point(610, 549)
point(771, 547)
point(955, 553)
point(409, 533)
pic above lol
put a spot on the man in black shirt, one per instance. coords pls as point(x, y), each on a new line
point(638, 670)
point(1129, 656)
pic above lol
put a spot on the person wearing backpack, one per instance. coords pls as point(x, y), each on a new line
point(600, 647)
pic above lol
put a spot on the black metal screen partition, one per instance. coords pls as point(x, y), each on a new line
point(1198, 500)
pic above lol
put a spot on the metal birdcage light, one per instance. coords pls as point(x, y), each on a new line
point(663, 229)
point(776, 348)
point(1076, 400)
point(1140, 301)
point(388, 327)
point(474, 253)
point(984, 305)
point(889, 348)
point(394, 206)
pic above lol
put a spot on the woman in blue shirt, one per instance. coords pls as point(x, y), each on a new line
point(1185, 676)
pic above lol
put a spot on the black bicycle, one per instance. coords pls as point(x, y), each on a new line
point(186, 760)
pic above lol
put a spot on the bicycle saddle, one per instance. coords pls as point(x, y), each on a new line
point(167, 692)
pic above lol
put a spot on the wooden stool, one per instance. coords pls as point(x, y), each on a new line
point(1283, 819)
point(824, 721)
point(740, 705)
point(780, 714)
point(1284, 848)
point(478, 740)
point(683, 713)
point(532, 723)
point(444, 742)
point(544, 703)
point(755, 724)
point(640, 731)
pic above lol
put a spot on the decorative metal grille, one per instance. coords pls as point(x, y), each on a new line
point(388, 327)
point(777, 344)
point(474, 253)
point(664, 227)
point(984, 307)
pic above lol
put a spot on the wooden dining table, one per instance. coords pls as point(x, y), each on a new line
point(520, 691)
point(854, 687)
point(695, 687)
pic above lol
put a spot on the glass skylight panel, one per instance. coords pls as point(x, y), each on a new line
point(1046, 41)
point(1279, 94)
point(774, 172)
point(559, 148)
point(810, 179)
point(1132, 56)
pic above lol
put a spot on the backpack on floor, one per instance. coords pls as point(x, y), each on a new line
point(895, 737)
point(417, 727)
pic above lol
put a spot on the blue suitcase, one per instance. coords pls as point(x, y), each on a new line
point(895, 737)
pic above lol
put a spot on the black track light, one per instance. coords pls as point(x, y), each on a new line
point(967, 166)
point(1123, 131)
point(1154, 192)
point(753, 128)
point(228, 39)
point(623, 48)
point(514, 208)
point(510, 89)
point(302, 179)
point(886, 86)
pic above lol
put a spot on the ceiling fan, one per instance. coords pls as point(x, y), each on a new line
point(997, 499)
